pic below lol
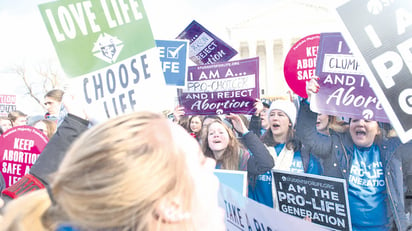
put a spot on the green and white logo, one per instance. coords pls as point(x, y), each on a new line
point(107, 48)
point(89, 35)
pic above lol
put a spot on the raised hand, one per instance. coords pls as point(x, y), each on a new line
point(312, 86)
point(237, 123)
point(258, 106)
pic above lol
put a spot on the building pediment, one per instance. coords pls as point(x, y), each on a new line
point(289, 18)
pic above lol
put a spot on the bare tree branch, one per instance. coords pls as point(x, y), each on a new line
point(22, 72)
point(46, 79)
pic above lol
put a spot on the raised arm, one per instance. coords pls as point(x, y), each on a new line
point(255, 124)
point(260, 160)
point(319, 145)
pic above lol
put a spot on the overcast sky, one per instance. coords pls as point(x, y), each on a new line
point(25, 38)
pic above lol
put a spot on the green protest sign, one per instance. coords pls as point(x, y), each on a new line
point(108, 49)
point(90, 35)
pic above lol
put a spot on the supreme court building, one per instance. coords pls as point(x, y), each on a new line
point(270, 34)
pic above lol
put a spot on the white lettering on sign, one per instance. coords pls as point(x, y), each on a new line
point(390, 63)
point(172, 66)
point(23, 144)
point(121, 12)
point(72, 18)
point(405, 101)
point(11, 168)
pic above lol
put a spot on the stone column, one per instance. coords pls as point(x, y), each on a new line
point(270, 82)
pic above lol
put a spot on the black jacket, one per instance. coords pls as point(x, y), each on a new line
point(49, 159)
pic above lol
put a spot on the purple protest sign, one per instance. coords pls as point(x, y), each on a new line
point(205, 47)
point(221, 88)
point(344, 90)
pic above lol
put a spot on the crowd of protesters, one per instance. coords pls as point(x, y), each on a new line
point(46, 124)
point(144, 170)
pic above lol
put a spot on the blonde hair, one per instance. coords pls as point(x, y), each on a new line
point(230, 157)
point(51, 126)
point(116, 174)
point(25, 213)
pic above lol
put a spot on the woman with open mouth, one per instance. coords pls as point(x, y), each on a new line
point(220, 143)
point(374, 168)
point(284, 148)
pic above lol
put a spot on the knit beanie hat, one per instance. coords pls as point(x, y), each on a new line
point(287, 107)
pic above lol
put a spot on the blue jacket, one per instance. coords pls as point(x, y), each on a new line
point(259, 168)
point(260, 188)
point(337, 149)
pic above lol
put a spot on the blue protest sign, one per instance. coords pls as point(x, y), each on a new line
point(237, 180)
point(173, 56)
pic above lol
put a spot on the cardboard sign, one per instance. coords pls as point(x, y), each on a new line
point(19, 148)
point(379, 33)
point(7, 104)
point(244, 214)
point(205, 47)
point(300, 64)
point(221, 88)
point(237, 180)
point(323, 199)
point(173, 56)
point(344, 90)
point(108, 48)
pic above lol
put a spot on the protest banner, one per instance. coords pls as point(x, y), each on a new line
point(205, 47)
point(108, 49)
point(19, 148)
point(323, 199)
point(7, 104)
point(300, 64)
point(173, 56)
point(237, 180)
point(379, 33)
point(221, 88)
point(344, 90)
point(244, 214)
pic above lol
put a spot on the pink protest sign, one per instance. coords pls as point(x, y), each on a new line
point(300, 63)
point(19, 149)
